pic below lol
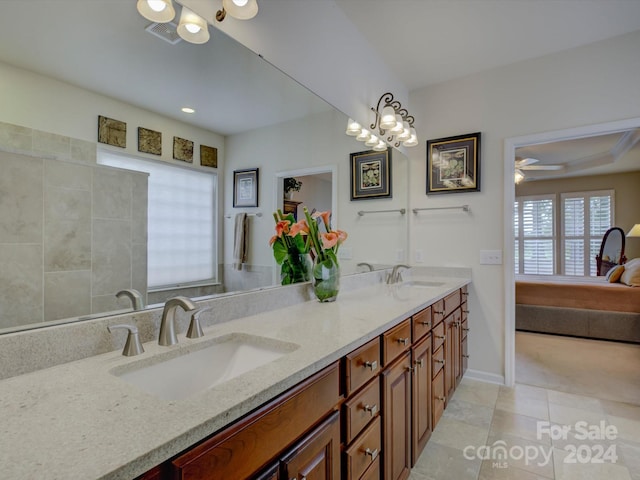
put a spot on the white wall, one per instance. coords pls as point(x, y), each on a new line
point(315, 193)
point(317, 141)
point(587, 85)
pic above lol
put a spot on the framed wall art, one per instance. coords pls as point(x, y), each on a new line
point(245, 188)
point(112, 132)
point(182, 149)
point(453, 164)
point(149, 141)
point(371, 175)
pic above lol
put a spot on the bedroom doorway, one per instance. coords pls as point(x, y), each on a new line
point(524, 342)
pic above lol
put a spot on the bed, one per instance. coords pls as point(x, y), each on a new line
point(589, 307)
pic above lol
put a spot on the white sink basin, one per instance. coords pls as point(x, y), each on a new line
point(174, 376)
point(423, 283)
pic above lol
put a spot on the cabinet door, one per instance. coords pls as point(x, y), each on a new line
point(421, 357)
point(451, 355)
point(316, 457)
point(437, 398)
point(396, 413)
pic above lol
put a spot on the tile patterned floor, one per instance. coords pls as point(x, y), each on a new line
point(494, 416)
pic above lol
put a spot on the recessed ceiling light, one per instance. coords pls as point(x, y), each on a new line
point(188, 110)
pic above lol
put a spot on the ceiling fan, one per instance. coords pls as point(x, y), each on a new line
point(523, 164)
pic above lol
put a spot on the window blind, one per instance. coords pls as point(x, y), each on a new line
point(534, 227)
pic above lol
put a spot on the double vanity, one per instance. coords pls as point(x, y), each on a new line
point(351, 388)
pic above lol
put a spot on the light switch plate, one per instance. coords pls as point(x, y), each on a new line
point(419, 256)
point(490, 257)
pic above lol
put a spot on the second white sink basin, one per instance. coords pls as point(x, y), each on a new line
point(174, 377)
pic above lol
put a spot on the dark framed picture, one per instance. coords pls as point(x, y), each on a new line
point(245, 188)
point(371, 175)
point(453, 164)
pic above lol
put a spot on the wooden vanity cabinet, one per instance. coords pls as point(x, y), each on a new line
point(396, 415)
point(243, 449)
point(452, 352)
point(421, 397)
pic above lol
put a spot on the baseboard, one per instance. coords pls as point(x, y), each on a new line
point(484, 377)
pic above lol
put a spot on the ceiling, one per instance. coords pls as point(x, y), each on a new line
point(430, 41)
point(597, 155)
point(102, 45)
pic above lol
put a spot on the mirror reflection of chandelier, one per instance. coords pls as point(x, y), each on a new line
point(192, 27)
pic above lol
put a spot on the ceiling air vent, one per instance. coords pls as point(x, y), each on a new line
point(166, 31)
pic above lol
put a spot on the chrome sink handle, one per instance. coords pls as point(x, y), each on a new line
point(195, 328)
point(167, 324)
point(132, 346)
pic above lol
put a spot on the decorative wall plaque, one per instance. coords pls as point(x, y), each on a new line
point(208, 156)
point(182, 149)
point(149, 141)
point(112, 132)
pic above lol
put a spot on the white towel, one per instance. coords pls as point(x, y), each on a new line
point(240, 237)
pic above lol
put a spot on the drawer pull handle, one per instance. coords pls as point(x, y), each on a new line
point(420, 362)
point(437, 360)
point(403, 341)
point(465, 311)
point(426, 324)
point(465, 293)
point(372, 365)
point(441, 337)
point(465, 356)
point(372, 409)
point(442, 399)
point(465, 329)
point(372, 453)
point(438, 313)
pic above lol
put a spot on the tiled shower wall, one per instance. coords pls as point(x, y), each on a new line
point(72, 233)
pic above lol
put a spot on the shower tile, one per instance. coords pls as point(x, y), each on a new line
point(83, 151)
point(20, 285)
point(15, 137)
point(68, 246)
point(51, 144)
point(66, 294)
point(111, 256)
point(111, 193)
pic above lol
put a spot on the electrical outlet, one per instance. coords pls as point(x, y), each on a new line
point(399, 255)
point(490, 257)
point(419, 256)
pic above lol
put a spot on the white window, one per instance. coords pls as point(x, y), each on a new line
point(533, 224)
point(181, 240)
point(586, 216)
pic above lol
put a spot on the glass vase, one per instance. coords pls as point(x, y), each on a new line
point(326, 278)
point(296, 268)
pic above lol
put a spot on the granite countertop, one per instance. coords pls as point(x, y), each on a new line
point(79, 421)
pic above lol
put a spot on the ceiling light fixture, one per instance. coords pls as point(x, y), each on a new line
point(394, 122)
point(518, 176)
point(160, 11)
point(239, 9)
point(193, 28)
point(188, 110)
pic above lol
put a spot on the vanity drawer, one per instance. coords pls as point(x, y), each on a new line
point(438, 336)
point(437, 361)
point(437, 312)
point(373, 472)
point(364, 451)
point(451, 302)
point(362, 365)
point(421, 324)
point(396, 341)
point(361, 409)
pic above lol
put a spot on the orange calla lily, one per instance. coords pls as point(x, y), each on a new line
point(326, 218)
point(300, 227)
point(282, 227)
point(329, 239)
point(342, 235)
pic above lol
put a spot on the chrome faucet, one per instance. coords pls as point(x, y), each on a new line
point(134, 295)
point(168, 324)
point(394, 276)
point(365, 264)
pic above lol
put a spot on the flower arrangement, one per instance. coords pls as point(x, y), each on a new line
point(313, 234)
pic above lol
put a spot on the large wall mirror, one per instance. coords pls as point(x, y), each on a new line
point(73, 231)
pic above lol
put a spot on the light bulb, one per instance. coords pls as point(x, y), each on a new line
point(192, 27)
point(388, 117)
point(241, 9)
point(380, 147)
point(518, 176)
point(364, 135)
point(397, 128)
point(413, 139)
point(240, 3)
point(406, 132)
point(353, 128)
point(157, 5)
point(373, 140)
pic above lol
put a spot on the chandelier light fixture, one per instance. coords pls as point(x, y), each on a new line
point(392, 125)
point(192, 27)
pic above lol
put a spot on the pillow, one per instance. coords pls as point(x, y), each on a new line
point(631, 275)
point(614, 274)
